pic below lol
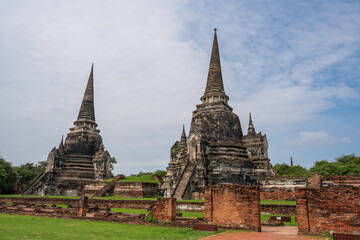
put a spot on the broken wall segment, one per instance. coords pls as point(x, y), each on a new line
point(328, 209)
point(234, 206)
point(83, 206)
point(164, 209)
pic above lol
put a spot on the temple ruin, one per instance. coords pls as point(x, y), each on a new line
point(81, 159)
point(215, 151)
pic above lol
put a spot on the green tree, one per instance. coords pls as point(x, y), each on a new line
point(28, 172)
point(281, 168)
point(285, 170)
point(325, 168)
point(160, 173)
point(112, 163)
point(297, 170)
point(344, 165)
point(8, 176)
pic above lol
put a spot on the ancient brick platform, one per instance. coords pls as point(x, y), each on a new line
point(326, 209)
point(234, 206)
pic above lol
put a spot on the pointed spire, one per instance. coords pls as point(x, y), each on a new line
point(291, 162)
point(214, 80)
point(61, 145)
point(87, 106)
point(251, 129)
point(183, 135)
point(214, 91)
point(101, 147)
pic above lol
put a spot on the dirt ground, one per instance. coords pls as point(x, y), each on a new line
point(268, 233)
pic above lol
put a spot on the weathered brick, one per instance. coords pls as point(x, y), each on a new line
point(334, 208)
point(233, 206)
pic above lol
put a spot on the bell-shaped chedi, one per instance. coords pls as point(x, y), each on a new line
point(80, 160)
point(213, 153)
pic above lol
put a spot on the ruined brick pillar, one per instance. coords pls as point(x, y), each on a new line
point(314, 181)
point(234, 206)
point(326, 209)
point(302, 211)
point(164, 209)
point(83, 206)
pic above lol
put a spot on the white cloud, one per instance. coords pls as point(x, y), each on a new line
point(346, 140)
point(151, 62)
point(318, 138)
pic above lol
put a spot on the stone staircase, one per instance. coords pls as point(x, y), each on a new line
point(184, 181)
point(78, 168)
point(109, 187)
point(224, 152)
point(35, 184)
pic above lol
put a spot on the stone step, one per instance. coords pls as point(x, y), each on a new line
point(83, 174)
point(228, 153)
point(75, 168)
point(91, 167)
point(79, 169)
point(68, 179)
point(82, 161)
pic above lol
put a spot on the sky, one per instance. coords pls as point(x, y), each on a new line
point(293, 64)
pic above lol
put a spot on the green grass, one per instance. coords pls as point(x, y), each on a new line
point(265, 218)
point(153, 199)
point(127, 210)
point(278, 202)
point(122, 198)
point(19, 227)
point(140, 211)
point(193, 214)
point(141, 178)
point(192, 200)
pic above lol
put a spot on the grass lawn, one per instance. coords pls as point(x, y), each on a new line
point(142, 178)
point(153, 199)
point(278, 202)
point(19, 227)
point(192, 200)
point(128, 210)
point(122, 198)
point(140, 211)
point(193, 214)
point(265, 218)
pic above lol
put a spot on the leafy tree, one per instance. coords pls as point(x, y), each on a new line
point(348, 159)
point(28, 172)
point(112, 163)
point(297, 170)
point(8, 176)
point(325, 168)
point(285, 170)
point(344, 165)
point(160, 173)
point(281, 168)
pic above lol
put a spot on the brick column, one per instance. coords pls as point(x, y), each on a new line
point(164, 209)
point(83, 206)
point(233, 206)
point(208, 204)
point(302, 211)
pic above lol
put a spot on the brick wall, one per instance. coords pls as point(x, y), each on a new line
point(346, 179)
point(136, 189)
point(314, 181)
point(278, 209)
point(231, 205)
point(164, 209)
point(328, 209)
point(277, 193)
